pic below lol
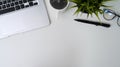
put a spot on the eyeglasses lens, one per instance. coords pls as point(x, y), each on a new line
point(108, 14)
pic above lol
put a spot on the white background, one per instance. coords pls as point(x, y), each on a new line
point(65, 43)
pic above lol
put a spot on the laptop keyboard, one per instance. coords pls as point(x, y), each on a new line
point(13, 5)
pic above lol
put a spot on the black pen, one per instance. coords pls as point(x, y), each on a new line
point(93, 22)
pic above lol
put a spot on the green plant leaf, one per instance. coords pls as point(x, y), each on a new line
point(96, 13)
point(89, 6)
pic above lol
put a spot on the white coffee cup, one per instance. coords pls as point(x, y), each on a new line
point(55, 6)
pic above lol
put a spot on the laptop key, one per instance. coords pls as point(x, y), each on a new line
point(20, 2)
point(24, 1)
point(4, 2)
point(16, 3)
point(3, 6)
point(31, 3)
point(17, 7)
point(13, 0)
point(26, 5)
point(0, 3)
point(12, 4)
point(7, 10)
point(35, 3)
point(22, 6)
point(8, 5)
point(9, 1)
point(0, 7)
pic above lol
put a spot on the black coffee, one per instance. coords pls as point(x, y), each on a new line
point(58, 4)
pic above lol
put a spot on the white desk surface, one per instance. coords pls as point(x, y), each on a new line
point(65, 43)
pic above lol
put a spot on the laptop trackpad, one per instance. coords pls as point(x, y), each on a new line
point(22, 20)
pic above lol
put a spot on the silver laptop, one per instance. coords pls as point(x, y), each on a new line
point(18, 16)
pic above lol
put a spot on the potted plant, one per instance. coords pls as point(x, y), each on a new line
point(89, 6)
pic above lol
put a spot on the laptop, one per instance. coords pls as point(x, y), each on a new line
point(18, 16)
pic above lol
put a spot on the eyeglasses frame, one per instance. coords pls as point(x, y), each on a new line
point(113, 12)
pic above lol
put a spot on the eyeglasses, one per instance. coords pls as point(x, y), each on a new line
point(110, 15)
